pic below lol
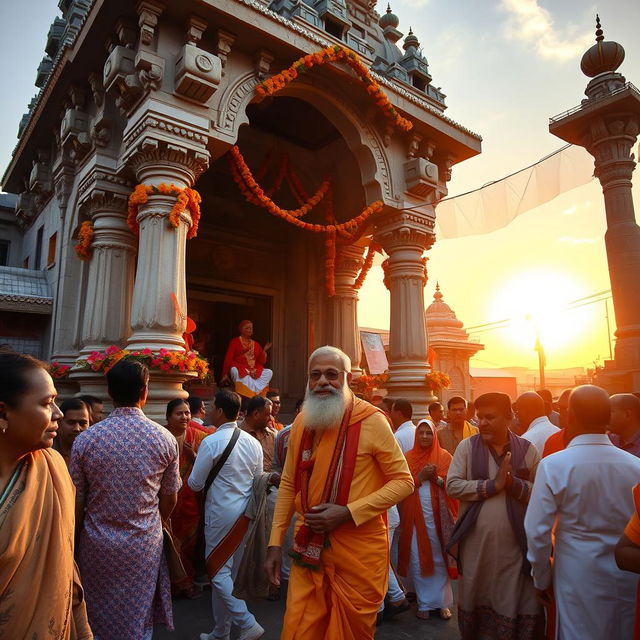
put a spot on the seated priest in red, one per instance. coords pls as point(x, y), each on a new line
point(244, 363)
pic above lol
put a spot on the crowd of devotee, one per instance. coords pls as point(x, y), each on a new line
point(354, 511)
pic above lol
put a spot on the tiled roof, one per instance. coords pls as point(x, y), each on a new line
point(24, 290)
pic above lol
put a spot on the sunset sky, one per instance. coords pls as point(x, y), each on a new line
point(506, 66)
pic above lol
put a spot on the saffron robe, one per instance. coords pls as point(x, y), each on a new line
point(341, 598)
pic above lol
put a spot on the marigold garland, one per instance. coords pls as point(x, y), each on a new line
point(437, 380)
point(373, 248)
point(365, 384)
point(85, 238)
point(187, 199)
point(162, 360)
point(336, 53)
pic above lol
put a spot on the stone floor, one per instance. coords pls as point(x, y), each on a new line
point(191, 617)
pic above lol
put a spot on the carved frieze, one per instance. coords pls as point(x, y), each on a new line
point(120, 77)
point(421, 177)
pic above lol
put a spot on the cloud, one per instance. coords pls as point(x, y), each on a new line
point(570, 240)
point(529, 22)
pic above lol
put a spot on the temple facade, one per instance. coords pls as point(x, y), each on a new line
point(158, 93)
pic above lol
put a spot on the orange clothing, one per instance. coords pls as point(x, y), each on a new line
point(632, 531)
point(555, 442)
point(340, 599)
point(412, 520)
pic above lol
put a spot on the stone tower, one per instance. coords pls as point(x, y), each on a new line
point(452, 346)
point(606, 124)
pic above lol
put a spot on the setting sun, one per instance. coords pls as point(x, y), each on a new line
point(537, 301)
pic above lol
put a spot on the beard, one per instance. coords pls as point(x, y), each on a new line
point(323, 412)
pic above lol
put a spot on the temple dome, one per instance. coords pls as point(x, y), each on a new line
point(602, 57)
point(411, 40)
point(389, 19)
point(440, 315)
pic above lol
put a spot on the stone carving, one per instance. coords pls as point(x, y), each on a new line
point(155, 153)
point(148, 11)
point(120, 77)
point(198, 73)
point(225, 42)
point(150, 69)
point(234, 101)
point(421, 177)
point(195, 29)
point(263, 59)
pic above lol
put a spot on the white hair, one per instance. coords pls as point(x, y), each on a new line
point(322, 412)
point(333, 352)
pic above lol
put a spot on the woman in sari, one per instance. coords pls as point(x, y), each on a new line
point(185, 518)
point(426, 522)
point(40, 593)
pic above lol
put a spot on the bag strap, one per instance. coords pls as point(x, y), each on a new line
point(221, 460)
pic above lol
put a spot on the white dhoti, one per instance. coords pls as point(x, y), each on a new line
point(248, 386)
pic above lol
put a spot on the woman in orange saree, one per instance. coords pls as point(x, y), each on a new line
point(426, 522)
point(185, 518)
point(40, 593)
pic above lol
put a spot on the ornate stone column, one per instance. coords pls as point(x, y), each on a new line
point(107, 313)
point(405, 237)
point(344, 321)
point(155, 322)
point(611, 143)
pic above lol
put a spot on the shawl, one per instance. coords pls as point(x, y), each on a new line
point(515, 509)
point(40, 595)
point(251, 580)
point(445, 509)
point(334, 460)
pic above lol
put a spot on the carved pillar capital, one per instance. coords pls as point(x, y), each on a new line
point(349, 261)
point(405, 230)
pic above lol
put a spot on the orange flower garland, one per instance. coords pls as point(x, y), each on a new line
point(85, 237)
point(254, 194)
point(336, 53)
point(330, 264)
point(368, 263)
point(186, 200)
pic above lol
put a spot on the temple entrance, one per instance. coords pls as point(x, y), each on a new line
point(217, 314)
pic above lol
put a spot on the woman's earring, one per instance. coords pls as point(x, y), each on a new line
point(3, 425)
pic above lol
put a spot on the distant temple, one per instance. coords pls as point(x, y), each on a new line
point(152, 94)
point(452, 346)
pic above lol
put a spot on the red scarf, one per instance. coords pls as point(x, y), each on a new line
point(308, 546)
point(411, 509)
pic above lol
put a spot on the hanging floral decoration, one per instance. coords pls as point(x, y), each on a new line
point(85, 238)
point(365, 384)
point(437, 380)
point(162, 360)
point(187, 199)
point(345, 232)
point(336, 53)
point(372, 249)
point(58, 371)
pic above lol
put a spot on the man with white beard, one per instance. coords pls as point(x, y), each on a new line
point(343, 470)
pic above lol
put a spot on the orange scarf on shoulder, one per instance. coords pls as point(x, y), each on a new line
point(411, 515)
point(37, 585)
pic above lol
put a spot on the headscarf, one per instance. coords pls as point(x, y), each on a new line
point(445, 509)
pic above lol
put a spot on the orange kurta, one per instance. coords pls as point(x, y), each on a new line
point(632, 531)
point(342, 597)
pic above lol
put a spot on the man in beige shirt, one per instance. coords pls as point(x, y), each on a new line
point(258, 423)
point(457, 429)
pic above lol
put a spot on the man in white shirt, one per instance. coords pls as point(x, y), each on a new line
point(533, 419)
point(404, 430)
point(585, 493)
point(224, 519)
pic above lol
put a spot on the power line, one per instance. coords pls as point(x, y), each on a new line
point(570, 306)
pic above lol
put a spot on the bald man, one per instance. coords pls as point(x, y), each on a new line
point(625, 422)
point(587, 489)
point(533, 419)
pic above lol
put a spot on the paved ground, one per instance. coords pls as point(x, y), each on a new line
point(191, 617)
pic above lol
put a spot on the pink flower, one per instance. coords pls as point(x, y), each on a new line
point(111, 350)
point(165, 367)
point(163, 352)
point(146, 352)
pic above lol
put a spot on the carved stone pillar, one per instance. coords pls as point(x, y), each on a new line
point(405, 237)
point(344, 321)
point(611, 142)
point(155, 322)
point(107, 315)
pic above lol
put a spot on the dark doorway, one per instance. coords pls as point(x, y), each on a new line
point(218, 313)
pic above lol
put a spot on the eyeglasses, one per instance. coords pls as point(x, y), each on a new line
point(331, 375)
